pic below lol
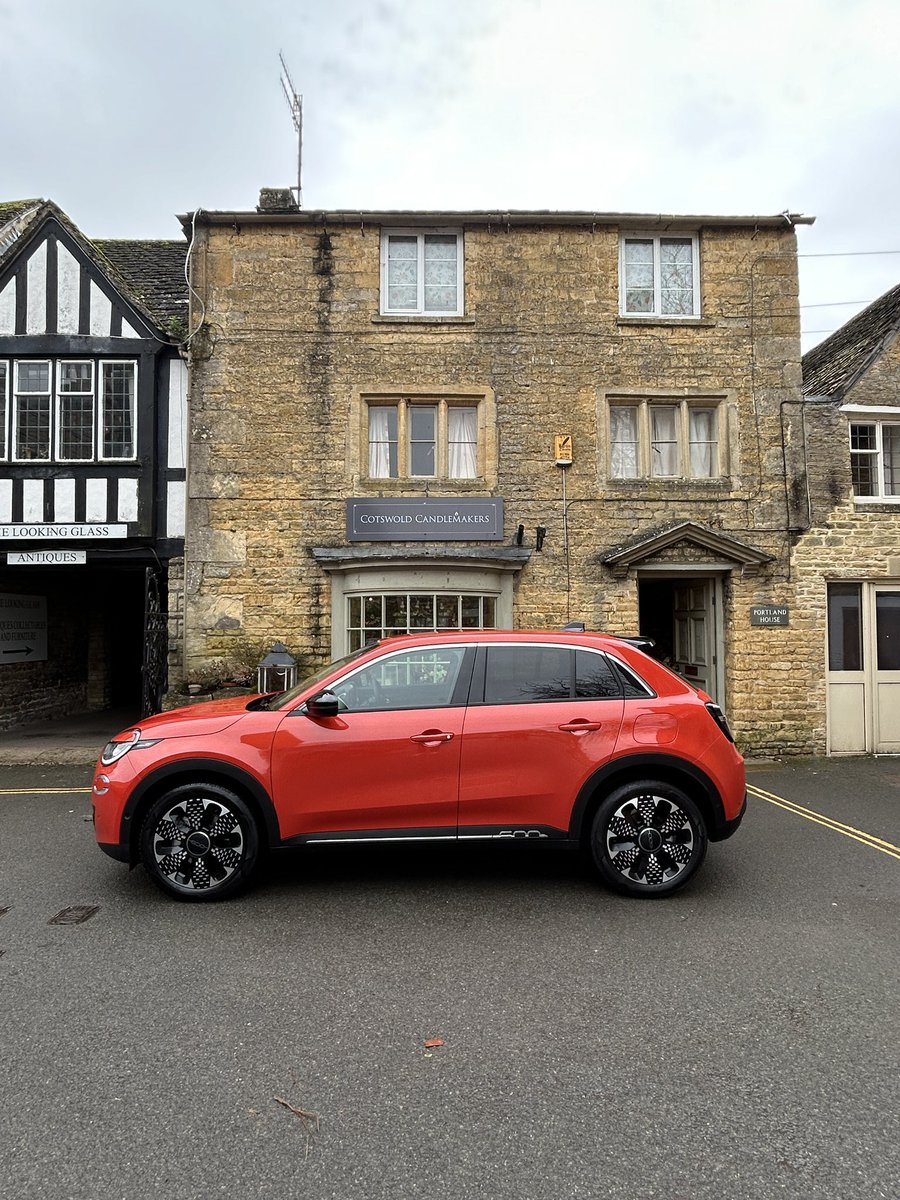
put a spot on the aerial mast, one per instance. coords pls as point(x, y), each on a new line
point(295, 104)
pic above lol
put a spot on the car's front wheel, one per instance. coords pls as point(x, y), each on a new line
point(199, 842)
point(648, 838)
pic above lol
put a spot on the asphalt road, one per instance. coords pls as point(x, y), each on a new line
point(736, 1041)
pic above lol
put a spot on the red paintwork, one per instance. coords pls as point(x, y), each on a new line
point(517, 765)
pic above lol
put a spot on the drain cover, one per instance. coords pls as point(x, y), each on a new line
point(75, 915)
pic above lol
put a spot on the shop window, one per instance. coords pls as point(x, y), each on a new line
point(378, 615)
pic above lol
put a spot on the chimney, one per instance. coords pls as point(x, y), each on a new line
point(277, 200)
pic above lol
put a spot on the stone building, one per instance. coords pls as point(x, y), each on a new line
point(847, 568)
point(449, 419)
point(92, 464)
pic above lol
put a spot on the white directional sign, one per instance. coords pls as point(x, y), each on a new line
point(23, 628)
point(46, 558)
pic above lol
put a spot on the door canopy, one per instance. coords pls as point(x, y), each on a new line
point(688, 542)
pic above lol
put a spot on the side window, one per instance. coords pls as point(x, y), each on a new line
point(414, 679)
point(594, 677)
point(633, 687)
point(527, 674)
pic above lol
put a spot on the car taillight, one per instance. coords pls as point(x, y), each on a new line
point(719, 717)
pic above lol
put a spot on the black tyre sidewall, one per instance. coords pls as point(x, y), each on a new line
point(600, 854)
point(249, 830)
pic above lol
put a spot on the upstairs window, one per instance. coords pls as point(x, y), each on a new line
point(423, 440)
point(664, 440)
point(421, 273)
point(659, 276)
point(875, 459)
point(68, 410)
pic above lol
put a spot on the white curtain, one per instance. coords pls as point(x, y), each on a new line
point(663, 442)
point(623, 435)
point(379, 443)
point(462, 443)
point(704, 443)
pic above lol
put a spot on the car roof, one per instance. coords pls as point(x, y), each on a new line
point(565, 636)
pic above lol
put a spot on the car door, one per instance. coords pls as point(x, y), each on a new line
point(388, 764)
point(541, 719)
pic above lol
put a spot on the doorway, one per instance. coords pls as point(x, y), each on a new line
point(863, 668)
point(681, 615)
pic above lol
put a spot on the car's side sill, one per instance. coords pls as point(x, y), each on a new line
point(505, 833)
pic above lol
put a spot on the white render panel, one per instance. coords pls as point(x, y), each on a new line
point(5, 501)
point(8, 307)
point(36, 304)
point(177, 413)
point(129, 331)
point(33, 500)
point(64, 500)
point(68, 290)
point(128, 500)
point(96, 500)
point(175, 509)
point(101, 313)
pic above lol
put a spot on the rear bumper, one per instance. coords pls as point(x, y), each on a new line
point(727, 828)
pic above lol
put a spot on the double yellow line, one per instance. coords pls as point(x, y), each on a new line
point(45, 791)
point(858, 835)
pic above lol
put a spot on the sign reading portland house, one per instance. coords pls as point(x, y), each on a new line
point(467, 519)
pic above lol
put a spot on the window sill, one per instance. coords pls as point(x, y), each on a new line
point(696, 322)
point(722, 483)
point(420, 319)
point(424, 487)
point(885, 502)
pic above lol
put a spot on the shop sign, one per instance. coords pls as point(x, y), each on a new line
point(23, 628)
point(46, 558)
point(769, 614)
point(51, 532)
point(467, 519)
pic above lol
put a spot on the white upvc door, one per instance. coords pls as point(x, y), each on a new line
point(884, 628)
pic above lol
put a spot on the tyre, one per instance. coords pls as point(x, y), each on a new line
point(648, 838)
point(199, 841)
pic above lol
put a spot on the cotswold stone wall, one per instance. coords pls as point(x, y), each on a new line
point(294, 343)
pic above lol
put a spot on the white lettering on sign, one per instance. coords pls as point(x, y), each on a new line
point(23, 628)
point(39, 533)
point(46, 558)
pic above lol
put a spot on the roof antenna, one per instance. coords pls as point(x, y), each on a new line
point(295, 104)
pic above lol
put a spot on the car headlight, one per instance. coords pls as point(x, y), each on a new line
point(119, 747)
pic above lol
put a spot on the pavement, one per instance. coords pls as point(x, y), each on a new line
point(67, 742)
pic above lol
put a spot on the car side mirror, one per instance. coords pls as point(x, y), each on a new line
point(326, 704)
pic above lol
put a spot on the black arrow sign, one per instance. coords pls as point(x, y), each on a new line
point(21, 650)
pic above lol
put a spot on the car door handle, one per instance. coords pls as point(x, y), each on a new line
point(580, 726)
point(431, 735)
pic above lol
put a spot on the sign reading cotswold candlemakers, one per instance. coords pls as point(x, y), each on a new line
point(467, 519)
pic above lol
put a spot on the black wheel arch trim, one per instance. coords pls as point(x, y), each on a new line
point(214, 771)
point(635, 766)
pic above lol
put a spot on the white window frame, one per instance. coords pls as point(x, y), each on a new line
point(442, 404)
point(683, 406)
point(657, 239)
point(9, 409)
point(878, 416)
point(57, 407)
point(420, 309)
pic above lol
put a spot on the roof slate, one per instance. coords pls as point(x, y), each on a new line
point(154, 272)
point(832, 367)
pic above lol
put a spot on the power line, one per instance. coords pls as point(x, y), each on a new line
point(835, 304)
point(849, 254)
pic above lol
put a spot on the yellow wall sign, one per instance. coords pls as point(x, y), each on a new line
point(562, 448)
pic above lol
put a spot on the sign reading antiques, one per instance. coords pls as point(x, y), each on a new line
point(23, 628)
point(769, 614)
point(45, 558)
point(465, 519)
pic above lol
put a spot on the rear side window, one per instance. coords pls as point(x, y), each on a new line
point(537, 674)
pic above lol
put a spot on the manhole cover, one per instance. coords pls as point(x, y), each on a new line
point(75, 915)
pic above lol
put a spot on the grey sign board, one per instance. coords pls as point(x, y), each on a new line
point(466, 519)
point(769, 614)
point(23, 628)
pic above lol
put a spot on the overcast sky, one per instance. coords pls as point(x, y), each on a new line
point(126, 112)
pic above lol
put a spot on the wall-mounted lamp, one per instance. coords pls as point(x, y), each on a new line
point(539, 534)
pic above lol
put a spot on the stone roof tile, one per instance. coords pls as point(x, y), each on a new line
point(832, 367)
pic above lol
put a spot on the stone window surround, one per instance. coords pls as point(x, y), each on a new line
point(357, 453)
point(725, 402)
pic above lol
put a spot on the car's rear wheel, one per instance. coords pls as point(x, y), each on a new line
point(648, 838)
point(199, 841)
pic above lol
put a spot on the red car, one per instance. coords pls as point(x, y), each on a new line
point(572, 738)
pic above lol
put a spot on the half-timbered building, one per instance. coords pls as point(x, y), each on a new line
point(93, 397)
